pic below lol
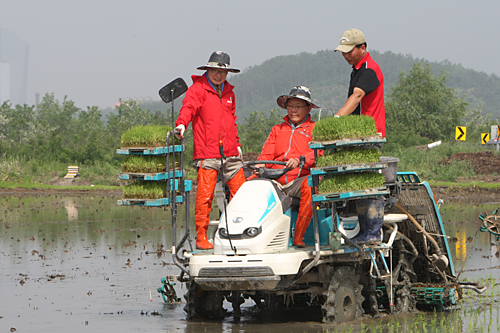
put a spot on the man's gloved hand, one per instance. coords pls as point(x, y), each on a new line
point(240, 153)
point(179, 131)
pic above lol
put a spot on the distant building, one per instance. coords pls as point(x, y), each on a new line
point(13, 68)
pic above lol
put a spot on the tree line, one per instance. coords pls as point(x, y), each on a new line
point(420, 108)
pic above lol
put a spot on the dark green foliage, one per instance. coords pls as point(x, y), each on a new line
point(254, 132)
point(348, 156)
point(421, 104)
point(351, 182)
point(60, 132)
point(326, 73)
point(345, 127)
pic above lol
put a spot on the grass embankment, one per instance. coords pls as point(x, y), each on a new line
point(18, 172)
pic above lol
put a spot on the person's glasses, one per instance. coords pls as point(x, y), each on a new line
point(296, 107)
point(219, 71)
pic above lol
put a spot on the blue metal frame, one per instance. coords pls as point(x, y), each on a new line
point(348, 168)
point(151, 150)
point(346, 142)
point(151, 176)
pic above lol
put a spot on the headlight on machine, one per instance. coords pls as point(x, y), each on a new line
point(247, 233)
point(252, 232)
point(223, 232)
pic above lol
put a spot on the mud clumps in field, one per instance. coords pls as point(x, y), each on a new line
point(484, 163)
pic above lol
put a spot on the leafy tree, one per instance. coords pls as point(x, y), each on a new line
point(253, 133)
point(15, 125)
point(420, 105)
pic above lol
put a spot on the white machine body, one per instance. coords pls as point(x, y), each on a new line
point(256, 221)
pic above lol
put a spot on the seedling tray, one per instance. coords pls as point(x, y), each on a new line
point(150, 150)
point(348, 168)
point(151, 176)
point(149, 202)
point(360, 194)
point(346, 142)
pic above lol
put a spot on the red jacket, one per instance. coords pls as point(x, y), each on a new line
point(210, 115)
point(285, 143)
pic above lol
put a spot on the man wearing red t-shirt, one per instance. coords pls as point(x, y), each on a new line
point(366, 89)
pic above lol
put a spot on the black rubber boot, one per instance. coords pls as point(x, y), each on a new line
point(371, 215)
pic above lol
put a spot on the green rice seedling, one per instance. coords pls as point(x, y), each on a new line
point(145, 136)
point(146, 164)
point(351, 182)
point(348, 156)
point(145, 190)
point(346, 127)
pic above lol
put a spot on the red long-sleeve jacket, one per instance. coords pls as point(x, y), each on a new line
point(210, 115)
point(285, 143)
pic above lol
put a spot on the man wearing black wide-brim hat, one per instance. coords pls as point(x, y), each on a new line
point(286, 143)
point(210, 105)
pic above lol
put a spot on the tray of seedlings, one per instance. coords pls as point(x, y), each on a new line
point(350, 166)
point(147, 140)
point(149, 163)
point(147, 193)
point(350, 159)
point(148, 168)
point(346, 131)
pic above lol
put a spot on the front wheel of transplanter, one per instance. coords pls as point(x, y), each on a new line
point(203, 304)
point(344, 301)
point(192, 296)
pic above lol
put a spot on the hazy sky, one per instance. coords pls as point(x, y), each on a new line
point(97, 51)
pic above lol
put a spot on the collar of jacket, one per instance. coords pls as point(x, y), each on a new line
point(207, 84)
point(305, 122)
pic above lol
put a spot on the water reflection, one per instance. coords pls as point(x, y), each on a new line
point(71, 208)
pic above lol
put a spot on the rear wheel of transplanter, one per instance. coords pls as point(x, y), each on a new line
point(344, 301)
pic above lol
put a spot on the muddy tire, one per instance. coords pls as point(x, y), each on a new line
point(203, 304)
point(403, 300)
point(369, 292)
point(192, 296)
point(210, 305)
point(344, 301)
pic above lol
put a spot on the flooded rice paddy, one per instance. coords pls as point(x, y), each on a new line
point(77, 262)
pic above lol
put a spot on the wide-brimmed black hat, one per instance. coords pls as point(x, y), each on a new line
point(219, 59)
point(300, 92)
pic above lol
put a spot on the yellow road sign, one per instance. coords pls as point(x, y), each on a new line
point(485, 137)
point(498, 132)
point(460, 133)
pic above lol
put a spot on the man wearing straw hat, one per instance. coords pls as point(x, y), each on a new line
point(210, 105)
point(286, 143)
point(366, 88)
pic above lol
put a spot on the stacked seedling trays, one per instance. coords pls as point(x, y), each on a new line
point(350, 167)
point(157, 173)
point(339, 182)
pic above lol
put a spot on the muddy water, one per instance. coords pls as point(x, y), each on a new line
point(79, 264)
